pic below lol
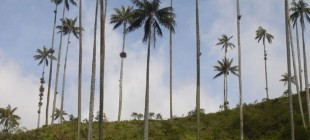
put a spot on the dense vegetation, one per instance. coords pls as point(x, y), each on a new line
point(262, 121)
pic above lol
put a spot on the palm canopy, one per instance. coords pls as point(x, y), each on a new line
point(261, 33)
point(121, 16)
point(224, 41)
point(151, 17)
point(68, 26)
point(59, 113)
point(225, 67)
point(43, 56)
point(300, 11)
point(8, 119)
point(285, 79)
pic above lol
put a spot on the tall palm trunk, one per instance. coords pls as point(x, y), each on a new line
point(93, 78)
point(297, 81)
point(171, 115)
point(298, 55)
point(102, 59)
point(305, 68)
point(147, 97)
point(225, 85)
point(64, 81)
point(121, 77)
point(240, 73)
point(58, 65)
point(51, 69)
point(266, 75)
point(287, 25)
point(41, 95)
point(198, 53)
point(80, 70)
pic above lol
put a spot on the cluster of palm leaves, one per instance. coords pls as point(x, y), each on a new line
point(149, 15)
point(8, 119)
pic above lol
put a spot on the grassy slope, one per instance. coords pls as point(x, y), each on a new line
point(262, 121)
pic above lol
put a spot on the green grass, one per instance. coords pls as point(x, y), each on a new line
point(268, 120)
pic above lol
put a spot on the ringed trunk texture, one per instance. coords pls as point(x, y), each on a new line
point(171, 114)
point(102, 59)
point(198, 53)
point(58, 65)
point(80, 71)
point(287, 24)
point(266, 74)
point(93, 79)
point(240, 73)
point(51, 70)
point(64, 81)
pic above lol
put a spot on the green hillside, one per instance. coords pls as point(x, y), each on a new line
point(268, 120)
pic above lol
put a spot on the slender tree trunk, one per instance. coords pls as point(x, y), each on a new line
point(297, 81)
point(147, 97)
point(80, 70)
point(266, 77)
point(102, 59)
point(64, 81)
point(306, 70)
point(198, 71)
point(287, 24)
point(93, 78)
point(224, 97)
point(51, 69)
point(41, 94)
point(171, 114)
point(121, 77)
point(226, 87)
point(240, 73)
point(58, 65)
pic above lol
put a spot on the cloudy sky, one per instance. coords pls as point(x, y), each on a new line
point(27, 25)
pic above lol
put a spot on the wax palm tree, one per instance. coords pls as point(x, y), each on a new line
point(287, 25)
point(80, 71)
point(225, 67)
point(57, 3)
point(93, 78)
point(261, 34)
point(43, 56)
point(198, 53)
point(121, 17)
point(103, 7)
point(59, 115)
point(224, 42)
point(297, 71)
point(67, 27)
point(170, 43)
point(9, 119)
point(239, 68)
point(66, 6)
point(301, 11)
point(149, 15)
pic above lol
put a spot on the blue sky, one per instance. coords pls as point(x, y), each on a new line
point(27, 25)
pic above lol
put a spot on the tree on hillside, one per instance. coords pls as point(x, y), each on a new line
point(262, 34)
point(121, 16)
point(198, 53)
point(225, 67)
point(43, 56)
point(67, 28)
point(224, 41)
point(8, 119)
point(93, 77)
point(57, 3)
point(285, 79)
point(66, 6)
point(149, 15)
point(59, 115)
point(301, 12)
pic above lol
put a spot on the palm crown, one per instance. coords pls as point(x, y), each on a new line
point(43, 56)
point(300, 10)
point(225, 67)
point(68, 26)
point(149, 14)
point(261, 33)
point(122, 16)
point(8, 118)
point(224, 41)
point(285, 79)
